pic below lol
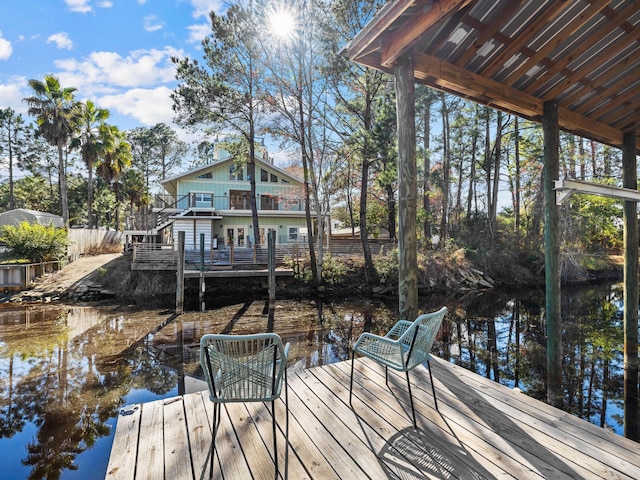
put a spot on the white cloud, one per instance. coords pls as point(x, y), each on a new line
point(11, 94)
point(84, 6)
point(197, 33)
point(152, 23)
point(81, 6)
point(148, 106)
point(61, 40)
point(201, 8)
point(5, 48)
point(108, 72)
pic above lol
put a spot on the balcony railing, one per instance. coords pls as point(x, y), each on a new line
point(224, 202)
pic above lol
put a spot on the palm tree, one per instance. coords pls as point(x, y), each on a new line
point(54, 109)
point(91, 142)
point(116, 159)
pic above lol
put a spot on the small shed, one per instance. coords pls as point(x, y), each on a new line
point(19, 215)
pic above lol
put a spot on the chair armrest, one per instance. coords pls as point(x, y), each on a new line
point(398, 329)
point(384, 350)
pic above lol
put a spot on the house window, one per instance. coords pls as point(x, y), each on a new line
point(268, 202)
point(235, 172)
point(283, 180)
point(203, 198)
point(239, 199)
point(274, 178)
point(205, 175)
point(293, 234)
point(264, 175)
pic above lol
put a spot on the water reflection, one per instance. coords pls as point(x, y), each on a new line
point(503, 337)
point(66, 371)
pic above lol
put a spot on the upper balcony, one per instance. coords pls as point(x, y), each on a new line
point(235, 200)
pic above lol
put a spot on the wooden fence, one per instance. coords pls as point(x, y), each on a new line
point(148, 256)
point(83, 240)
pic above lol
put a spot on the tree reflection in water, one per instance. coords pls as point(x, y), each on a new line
point(66, 371)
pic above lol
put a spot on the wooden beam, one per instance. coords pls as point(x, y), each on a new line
point(443, 75)
point(407, 190)
point(369, 37)
point(440, 74)
point(401, 39)
point(631, 296)
point(552, 254)
point(589, 128)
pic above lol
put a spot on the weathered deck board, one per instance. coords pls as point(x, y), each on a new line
point(481, 430)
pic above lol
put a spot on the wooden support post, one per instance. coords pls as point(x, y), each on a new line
point(552, 253)
point(631, 296)
point(180, 275)
point(201, 285)
point(271, 256)
point(407, 189)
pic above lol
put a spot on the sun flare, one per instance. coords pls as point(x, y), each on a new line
point(282, 23)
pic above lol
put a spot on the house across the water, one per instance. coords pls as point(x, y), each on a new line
point(214, 200)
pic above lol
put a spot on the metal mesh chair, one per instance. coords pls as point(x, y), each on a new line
point(246, 368)
point(405, 346)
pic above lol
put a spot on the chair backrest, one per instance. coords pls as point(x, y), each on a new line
point(419, 337)
point(243, 368)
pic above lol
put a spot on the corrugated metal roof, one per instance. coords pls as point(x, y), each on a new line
point(517, 54)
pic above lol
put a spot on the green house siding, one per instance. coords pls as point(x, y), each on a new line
point(238, 230)
point(214, 193)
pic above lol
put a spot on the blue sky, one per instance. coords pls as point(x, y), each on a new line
point(115, 52)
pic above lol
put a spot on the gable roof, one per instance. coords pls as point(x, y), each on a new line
point(516, 55)
point(170, 184)
point(19, 215)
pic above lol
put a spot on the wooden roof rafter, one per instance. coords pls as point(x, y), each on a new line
point(516, 54)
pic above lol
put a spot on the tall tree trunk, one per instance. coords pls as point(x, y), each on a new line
point(488, 164)
point(90, 193)
point(472, 171)
point(497, 166)
point(446, 162)
point(426, 192)
point(307, 199)
point(251, 171)
point(583, 173)
point(62, 186)
point(516, 203)
point(369, 270)
point(391, 210)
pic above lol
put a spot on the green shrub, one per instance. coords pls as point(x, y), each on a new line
point(35, 242)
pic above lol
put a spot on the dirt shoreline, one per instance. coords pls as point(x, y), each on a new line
point(72, 278)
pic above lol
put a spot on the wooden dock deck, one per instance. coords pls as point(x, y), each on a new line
point(482, 430)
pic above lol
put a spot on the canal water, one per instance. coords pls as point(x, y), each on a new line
point(66, 371)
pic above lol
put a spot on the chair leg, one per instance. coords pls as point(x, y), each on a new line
point(413, 412)
point(353, 354)
point(286, 432)
point(386, 376)
point(214, 431)
point(275, 442)
point(433, 388)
